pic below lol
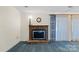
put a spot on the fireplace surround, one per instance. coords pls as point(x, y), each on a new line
point(38, 33)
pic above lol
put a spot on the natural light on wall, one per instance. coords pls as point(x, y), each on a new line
point(30, 18)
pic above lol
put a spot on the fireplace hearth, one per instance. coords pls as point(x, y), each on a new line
point(38, 33)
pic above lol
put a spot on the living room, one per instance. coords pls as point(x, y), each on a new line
point(39, 28)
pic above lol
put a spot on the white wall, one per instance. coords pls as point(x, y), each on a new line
point(9, 27)
point(25, 23)
point(24, 27)
point(45, 18)
point(62, 28)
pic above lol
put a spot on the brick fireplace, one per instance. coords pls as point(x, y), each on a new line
point(38, 33)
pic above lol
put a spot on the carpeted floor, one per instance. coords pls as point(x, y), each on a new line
point(46, 47)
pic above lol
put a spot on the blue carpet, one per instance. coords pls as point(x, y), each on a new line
point(46, 47)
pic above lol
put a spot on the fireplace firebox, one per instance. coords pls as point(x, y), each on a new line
point(38, 33)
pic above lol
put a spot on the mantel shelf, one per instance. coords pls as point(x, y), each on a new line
point(38, 25)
